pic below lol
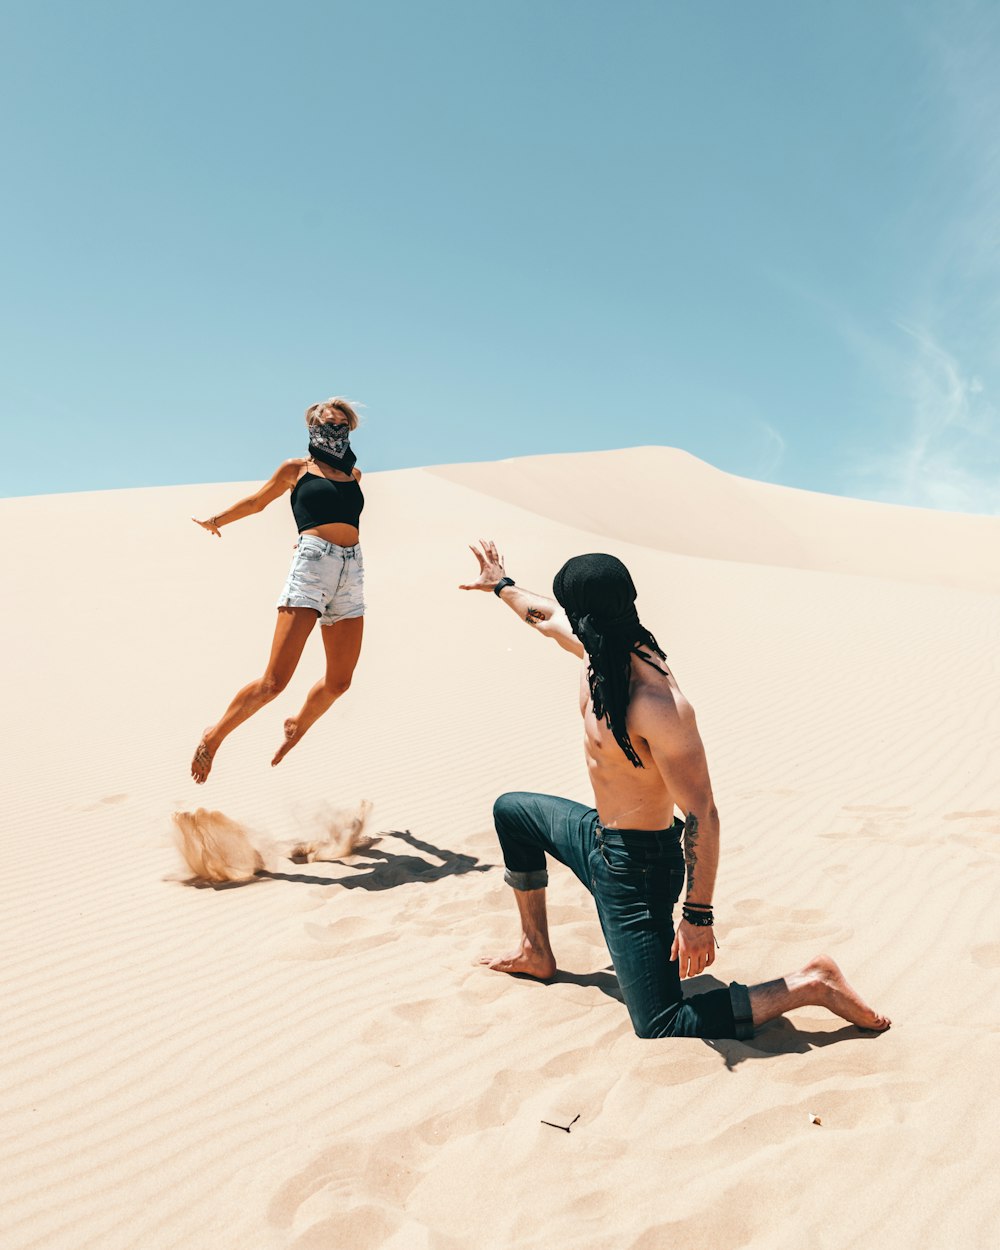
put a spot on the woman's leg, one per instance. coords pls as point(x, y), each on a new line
point(293, 627)
point(342, 642)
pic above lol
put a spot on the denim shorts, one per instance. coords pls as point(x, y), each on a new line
point(327, 578)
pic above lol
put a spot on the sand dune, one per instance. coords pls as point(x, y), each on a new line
point(313, 1060)
point(694, 509)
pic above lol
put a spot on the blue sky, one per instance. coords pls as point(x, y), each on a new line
point(764, 232)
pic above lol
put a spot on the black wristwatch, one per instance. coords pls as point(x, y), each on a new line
point(502, 584)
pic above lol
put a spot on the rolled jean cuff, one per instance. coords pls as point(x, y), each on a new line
point(538, 879)
point(742, 1011)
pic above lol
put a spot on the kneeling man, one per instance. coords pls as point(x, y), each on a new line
point(646, 759)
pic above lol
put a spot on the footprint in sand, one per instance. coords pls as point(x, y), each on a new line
point(110, 800)
point(314, 940)
point(987, 821)
point(750, 906)
point(760, 794)
point(339, 1161)
point(977, 841)
point(351, 1194)
point(874, 807)
point(346, 929)
point(420, 1013)
point(887, 825)
point(566, 1063)
point(368, 1227)
point(496, 1102)
point(758, 911)
point(313, 900)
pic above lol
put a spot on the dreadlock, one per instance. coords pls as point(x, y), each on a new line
point(599, 595)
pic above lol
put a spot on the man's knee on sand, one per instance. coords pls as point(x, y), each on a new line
point(658, 1028)
point(508, 809)
point(524, 864)
point(723, 1014)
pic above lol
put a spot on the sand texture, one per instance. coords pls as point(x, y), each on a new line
point(312, 1059)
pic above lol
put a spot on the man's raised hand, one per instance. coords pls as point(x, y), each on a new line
point(490, 566)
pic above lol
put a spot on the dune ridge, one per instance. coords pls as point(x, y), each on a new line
point(312, 1059)
point(694, 509)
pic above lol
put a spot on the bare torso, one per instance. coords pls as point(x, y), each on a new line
point(337, 533)
point(627, 797)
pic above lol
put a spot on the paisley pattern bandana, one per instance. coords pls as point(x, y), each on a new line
point(331, 443)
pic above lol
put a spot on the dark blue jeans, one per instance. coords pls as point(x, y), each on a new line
point(636, 877)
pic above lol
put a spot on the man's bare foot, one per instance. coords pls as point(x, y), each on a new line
point(291, 737)
point(201, 764)
point(839, 996)
point(527, 962)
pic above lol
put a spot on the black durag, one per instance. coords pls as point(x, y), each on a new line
point(598, 595)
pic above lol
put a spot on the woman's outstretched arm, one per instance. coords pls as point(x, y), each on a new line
point(282, 480)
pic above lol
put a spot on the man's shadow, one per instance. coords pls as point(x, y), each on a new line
point(383, 869)
point(777, 1037)
point(603, 980)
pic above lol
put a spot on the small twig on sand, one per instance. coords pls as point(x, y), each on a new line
point(565, 1127)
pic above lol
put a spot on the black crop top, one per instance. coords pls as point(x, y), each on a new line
point(320, 501)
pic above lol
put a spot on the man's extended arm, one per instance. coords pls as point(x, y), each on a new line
point(543, 614)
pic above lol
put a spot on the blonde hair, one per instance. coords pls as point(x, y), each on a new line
point(315, 412)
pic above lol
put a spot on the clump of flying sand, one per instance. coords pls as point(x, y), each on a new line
point(218, 849)
point(215, 847)
point(329, 833)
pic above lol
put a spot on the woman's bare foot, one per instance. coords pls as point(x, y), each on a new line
point(292, 736)
point(837, 994)
point(527, 962)
point(201, 764)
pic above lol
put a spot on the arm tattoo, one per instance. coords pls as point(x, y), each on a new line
point(533, 616)
point(691, 847)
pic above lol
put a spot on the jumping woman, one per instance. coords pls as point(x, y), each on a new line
point(325, 582)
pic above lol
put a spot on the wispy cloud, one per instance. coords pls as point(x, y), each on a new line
point(772, 453)
point(947, 455)
point(941, 446)
point(936, 441)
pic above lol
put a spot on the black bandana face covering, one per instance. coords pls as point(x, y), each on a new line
point(598, 595)
point(331, 443)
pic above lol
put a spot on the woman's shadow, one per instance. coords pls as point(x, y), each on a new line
point(383, 869)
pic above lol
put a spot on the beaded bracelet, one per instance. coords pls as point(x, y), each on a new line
point(700, 919)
